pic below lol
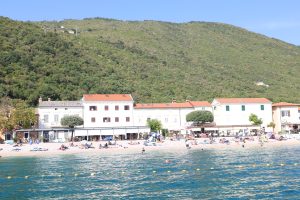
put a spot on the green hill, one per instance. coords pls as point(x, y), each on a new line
point(155, 61)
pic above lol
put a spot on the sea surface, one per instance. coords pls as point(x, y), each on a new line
point(257, 173)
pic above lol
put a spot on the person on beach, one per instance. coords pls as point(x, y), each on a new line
point(187, 144)
point(106, 146)
point(143, 150)
point(63, 147)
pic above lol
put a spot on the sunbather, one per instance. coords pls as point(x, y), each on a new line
point(63, 147)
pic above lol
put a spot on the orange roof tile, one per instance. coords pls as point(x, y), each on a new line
point(200, 103)
point(282, 104)
point(107, 97)
point(164, 105)
point(243, 100)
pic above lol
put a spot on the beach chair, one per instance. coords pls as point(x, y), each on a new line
point(16, 149)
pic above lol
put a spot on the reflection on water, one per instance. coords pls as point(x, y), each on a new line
point(210, 174)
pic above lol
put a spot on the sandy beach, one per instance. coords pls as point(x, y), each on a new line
point(48, 149)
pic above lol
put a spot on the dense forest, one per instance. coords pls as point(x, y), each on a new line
point(154, 61)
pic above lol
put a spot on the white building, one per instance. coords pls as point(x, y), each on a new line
point(50, 114)
point(115, 115)
point(231, 115)
point(107, 110)
point(103, 115)
point(172, 115)
point(286, 117)
point(109, 115)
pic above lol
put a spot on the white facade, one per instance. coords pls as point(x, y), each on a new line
point(108, 113)
point(171, 115)
point(286, 117)
point(115, 114)
point(103, 115)
point(236, 111)
point(51, 112)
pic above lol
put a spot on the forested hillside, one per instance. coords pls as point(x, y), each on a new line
point(155, 61)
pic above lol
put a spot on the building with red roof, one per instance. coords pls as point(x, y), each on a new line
point(172, 115)
point(234, 113)
point(286, 117)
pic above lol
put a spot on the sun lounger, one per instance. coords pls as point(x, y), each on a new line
point(38, 149)
point(16, 149)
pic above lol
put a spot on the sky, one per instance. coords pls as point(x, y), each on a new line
point(274, 18)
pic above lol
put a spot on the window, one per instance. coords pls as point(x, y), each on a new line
point(46, 118)
point(93, 119)
point(116, 119)
point(285, 113)
point(215, 107)
point(106, 119)
point(166, 120)
point(127, 119)
point(227, 108)
point(93, 108)
point(116, 107)
point(262, 107)
point(126, 107)
point(175, 120)
point(56, 118)
point(148, 119)
point(203, 108)
point(55, 108)
point(105, 107)
point(66, 108)
point(243, 108)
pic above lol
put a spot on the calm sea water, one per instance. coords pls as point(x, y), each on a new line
point(262, 173)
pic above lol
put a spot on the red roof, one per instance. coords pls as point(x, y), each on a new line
point(164, 105)
point(107, 97)
point(282, 104)
point(189, 104)
point(200, 103)
point(243, 100)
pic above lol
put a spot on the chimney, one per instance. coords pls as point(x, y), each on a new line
point(49, 99)
point(40, 99)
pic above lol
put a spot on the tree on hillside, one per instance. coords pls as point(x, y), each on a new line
point(71, 122)
point(6, 108)
point(200, 117)
point(23, 116)
point(255, 120)
point(15, 114)
point(154, 125)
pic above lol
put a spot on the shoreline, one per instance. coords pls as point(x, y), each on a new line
point(126, 147)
